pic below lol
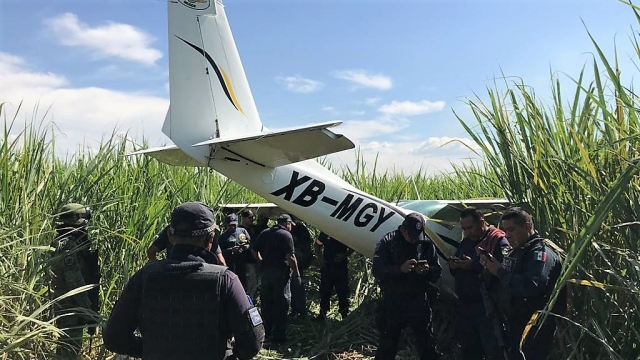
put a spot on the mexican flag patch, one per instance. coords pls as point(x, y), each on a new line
point(540, 256)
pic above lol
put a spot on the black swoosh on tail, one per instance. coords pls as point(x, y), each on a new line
point(215, 68)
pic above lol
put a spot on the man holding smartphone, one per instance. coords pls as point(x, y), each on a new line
point(405, 262)
point(476, 333)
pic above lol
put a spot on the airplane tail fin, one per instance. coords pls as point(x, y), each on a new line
point(212, 114)
point(209, 91)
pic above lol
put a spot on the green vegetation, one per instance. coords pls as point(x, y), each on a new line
point(571, 160)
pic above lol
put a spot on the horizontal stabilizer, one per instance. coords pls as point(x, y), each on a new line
point(171, 155)
point(283, 147)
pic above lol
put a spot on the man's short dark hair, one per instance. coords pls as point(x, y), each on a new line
point(519, 215)
point(472, 212)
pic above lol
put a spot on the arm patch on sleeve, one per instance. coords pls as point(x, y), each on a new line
point(69, 260)
point(255, 317)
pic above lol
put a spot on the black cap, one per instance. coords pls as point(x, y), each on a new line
point(231, 219)
point(284, 218)
point(414, 225)
point(192, 219)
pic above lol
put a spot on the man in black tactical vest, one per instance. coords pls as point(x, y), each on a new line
point(275, 250)
point(525, 279)
point(184, 307)
point(405, 262)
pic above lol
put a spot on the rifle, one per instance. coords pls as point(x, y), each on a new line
point(493, 315)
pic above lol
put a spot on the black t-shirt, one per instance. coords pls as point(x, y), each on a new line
point(332, 247)
point(302, 244)
point(274, 245)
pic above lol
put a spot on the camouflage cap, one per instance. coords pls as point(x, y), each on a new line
point(192, 219)
point(74, 214)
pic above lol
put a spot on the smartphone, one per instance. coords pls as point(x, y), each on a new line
point(423, 262)
point(485, 252)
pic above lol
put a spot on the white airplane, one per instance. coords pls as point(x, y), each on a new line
point(213, 122)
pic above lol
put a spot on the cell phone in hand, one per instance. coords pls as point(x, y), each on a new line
point(485, 252)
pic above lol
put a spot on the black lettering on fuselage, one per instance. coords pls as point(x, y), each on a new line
point(287, 190)
point(310, 194)
point(382, 218)
point(346, 208)
point(362, 219)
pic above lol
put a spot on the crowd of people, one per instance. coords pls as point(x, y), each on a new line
point(200, 301)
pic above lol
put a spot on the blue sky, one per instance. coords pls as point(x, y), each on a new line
point(392, 71)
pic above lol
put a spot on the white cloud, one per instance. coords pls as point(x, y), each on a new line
point(451, 145)
point(409, 108)
point(362, 79)
point(357, 112)
point(401, 156)
point(13, 78)
point(364, 129)
point(80, 114)
point(113, 39)
point(299, 84)
point(372, 101)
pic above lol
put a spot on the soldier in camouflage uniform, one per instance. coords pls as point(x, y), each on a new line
point(73, 264)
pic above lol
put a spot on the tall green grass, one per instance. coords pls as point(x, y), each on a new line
point(570, 159)
point(573, 162)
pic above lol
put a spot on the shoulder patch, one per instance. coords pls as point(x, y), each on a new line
point(255, 316)
point(69, 260)
point(508, 263)
point(540, 255)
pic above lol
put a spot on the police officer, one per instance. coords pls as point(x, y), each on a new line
point(526, 277)
point(334, 273)
point(276, 253)
point(477, 333)
point(184, 307)
point(405, 261)
point(304, 257)
point(74, 264)
point(235, 242)
point(246, 222)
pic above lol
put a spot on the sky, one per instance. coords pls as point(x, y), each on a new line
point(394, 72)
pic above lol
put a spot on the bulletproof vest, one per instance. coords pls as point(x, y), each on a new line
point(527, 306)
point(180, 312)
point(410, 283)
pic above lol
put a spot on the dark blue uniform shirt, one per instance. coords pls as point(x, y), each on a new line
point(392, 251)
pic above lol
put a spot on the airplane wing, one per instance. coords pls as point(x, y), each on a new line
point(283, 147)
point(171, 155)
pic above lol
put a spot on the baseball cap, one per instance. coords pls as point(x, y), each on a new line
point(414, 224)
point(231, 219)
point(192, 219)
point(284, 218)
